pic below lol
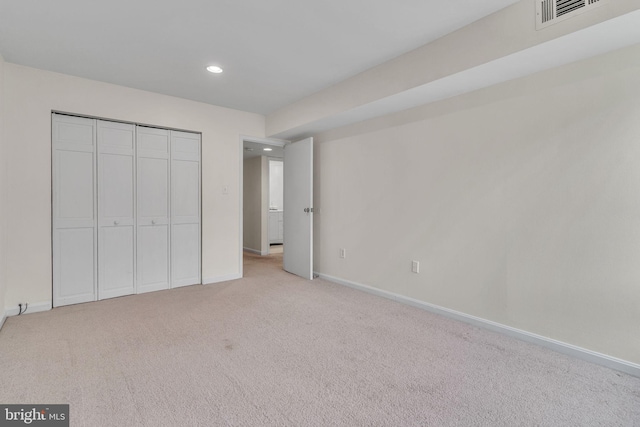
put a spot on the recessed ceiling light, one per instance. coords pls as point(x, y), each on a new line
point(267, 149)
point(214, 69)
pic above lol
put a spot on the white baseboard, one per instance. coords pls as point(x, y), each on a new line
point(255, 251)
point(559, 346)
point(218, 279)
point(31, 308)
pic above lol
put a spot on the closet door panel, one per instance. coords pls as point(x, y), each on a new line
point(75, 264)
point(153, 209)
point(116, 209)
point(153, 189)
point(153, 142)
point(116, 187)
point(185, 209)
point(153, 259)
point(186, 195)
point(74, 210)
point(75, 195)
point(186, 252)
point(73, 133)
point(117, 262)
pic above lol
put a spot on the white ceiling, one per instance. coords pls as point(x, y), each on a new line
point(601, 38)
point(273, 52)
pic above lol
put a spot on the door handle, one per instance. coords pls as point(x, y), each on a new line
point(307, 210)
point(153, 221)
point(116, 222)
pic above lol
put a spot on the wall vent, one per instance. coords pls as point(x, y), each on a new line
point(549, 12)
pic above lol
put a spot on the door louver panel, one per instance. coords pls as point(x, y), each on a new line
point(549, 12)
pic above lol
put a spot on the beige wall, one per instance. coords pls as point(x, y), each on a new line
point(33, 94)
point(255, 219)
point(521, 202)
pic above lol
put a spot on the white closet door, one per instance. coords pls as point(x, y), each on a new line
point(116, 209)
point(153, 209)
point(74, 210)
point(185, 209)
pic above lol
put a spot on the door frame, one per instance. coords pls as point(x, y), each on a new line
point(265, 141)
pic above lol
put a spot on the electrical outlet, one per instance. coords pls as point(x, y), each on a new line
point(343, 253)
point(415, 266)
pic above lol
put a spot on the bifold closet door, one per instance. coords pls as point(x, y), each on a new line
point(185, 209)
point(126, 209)
point(116, 209)
point(153, 159)
point(74, 210)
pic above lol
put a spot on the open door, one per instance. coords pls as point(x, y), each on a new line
point(298, 208)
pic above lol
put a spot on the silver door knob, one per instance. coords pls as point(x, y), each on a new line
point(116, 222)
point(153, 221)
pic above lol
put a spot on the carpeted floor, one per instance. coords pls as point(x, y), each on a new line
point(274, 350)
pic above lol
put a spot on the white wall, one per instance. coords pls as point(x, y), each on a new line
point(255, 220)
point(521, 202)
point(33, 94)
point(2, 194)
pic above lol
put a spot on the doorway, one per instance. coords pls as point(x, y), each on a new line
point(298, 214)
point(262, 196)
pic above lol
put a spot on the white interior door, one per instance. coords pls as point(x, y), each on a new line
point(153, 157)
point(116, 209)
point(74, 210)
point(298, 208)
point(185, 209)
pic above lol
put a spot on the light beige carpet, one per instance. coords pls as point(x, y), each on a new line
point(275, 350)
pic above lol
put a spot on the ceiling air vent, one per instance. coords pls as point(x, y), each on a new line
point(549, 12)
